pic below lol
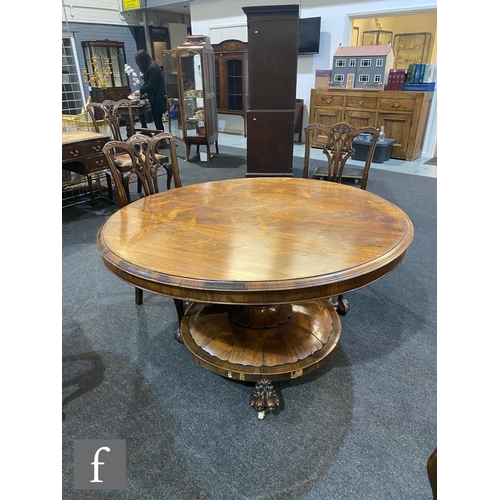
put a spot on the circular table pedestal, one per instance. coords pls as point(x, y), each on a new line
point(255, 343)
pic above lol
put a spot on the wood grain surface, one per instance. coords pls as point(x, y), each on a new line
point(256, 240)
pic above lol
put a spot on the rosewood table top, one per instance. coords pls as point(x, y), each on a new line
point(256, 240)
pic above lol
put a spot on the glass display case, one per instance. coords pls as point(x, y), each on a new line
point(377, 37)
point(105, 70)
point(411, 48)
point(231, 78)
point(197, 96)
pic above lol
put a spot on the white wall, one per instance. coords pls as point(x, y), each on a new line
point(335, 29)
point(98, 11)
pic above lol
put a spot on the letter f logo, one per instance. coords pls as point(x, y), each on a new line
point(96, 464)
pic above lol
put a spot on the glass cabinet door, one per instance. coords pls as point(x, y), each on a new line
point(411, 48)
point(107, 57)
point(377, 37)
point(171, 73)
point(192, 90)
point(235, 83)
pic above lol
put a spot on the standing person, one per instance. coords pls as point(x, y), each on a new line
point(154, 86)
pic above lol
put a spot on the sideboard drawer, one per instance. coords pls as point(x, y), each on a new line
point(329, 100)
point(94, 147)
point(361, 102)
point(397, 104)
point(73, 152)
point(96, 162)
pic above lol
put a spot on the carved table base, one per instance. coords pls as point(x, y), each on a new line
point(264, 397)
point(261, 343)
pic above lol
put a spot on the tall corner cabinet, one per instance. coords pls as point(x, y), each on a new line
point(231, 78)
point(273, 40)
point(404, 115)
point(197, 99)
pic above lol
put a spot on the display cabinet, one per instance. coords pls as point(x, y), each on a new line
point(231, 78)
point(377, 37)
point(411, 48)
point(105, 70)
point(171, 73)
point(197, 98)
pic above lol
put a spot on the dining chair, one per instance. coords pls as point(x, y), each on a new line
point(112, 113)
point(338, 149)
point(101, 115)
point(144, 162)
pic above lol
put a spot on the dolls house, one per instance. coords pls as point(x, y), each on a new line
point(362, 67)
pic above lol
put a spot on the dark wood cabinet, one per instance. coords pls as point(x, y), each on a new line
point(231, 78)
point(107, 56)
point(273, 33)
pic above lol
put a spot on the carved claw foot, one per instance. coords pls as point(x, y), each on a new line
point(341, 305)
point(264, 397)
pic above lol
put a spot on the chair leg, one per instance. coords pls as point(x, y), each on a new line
point(138, 296)
point(217, 147)
point(169, 176)
point(110, 186)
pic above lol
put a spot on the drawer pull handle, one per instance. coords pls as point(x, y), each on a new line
point(74, 153)
point(328, 101)
point(99, 162)
point(361, 103)
point(96, 148)
point(396, 105)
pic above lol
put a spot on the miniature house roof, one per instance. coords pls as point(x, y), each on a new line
point(367, 51)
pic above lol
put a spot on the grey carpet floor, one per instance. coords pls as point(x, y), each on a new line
point(361, 427)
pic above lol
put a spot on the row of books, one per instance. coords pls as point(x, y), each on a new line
point(396, 79)
point(420, 73)
point(402, 79)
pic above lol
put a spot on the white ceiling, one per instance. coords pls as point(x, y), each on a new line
point(175, 8)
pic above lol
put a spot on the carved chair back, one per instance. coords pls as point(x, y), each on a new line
point(339, 148)
point(105, 110)
point(139, 155)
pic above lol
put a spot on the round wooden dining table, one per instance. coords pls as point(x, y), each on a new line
point(258, 260)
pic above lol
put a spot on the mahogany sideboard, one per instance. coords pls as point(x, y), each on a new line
point(403, 114)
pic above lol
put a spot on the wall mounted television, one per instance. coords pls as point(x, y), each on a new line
point(309, 30)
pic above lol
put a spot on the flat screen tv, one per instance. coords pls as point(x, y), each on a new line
point(309, 30)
